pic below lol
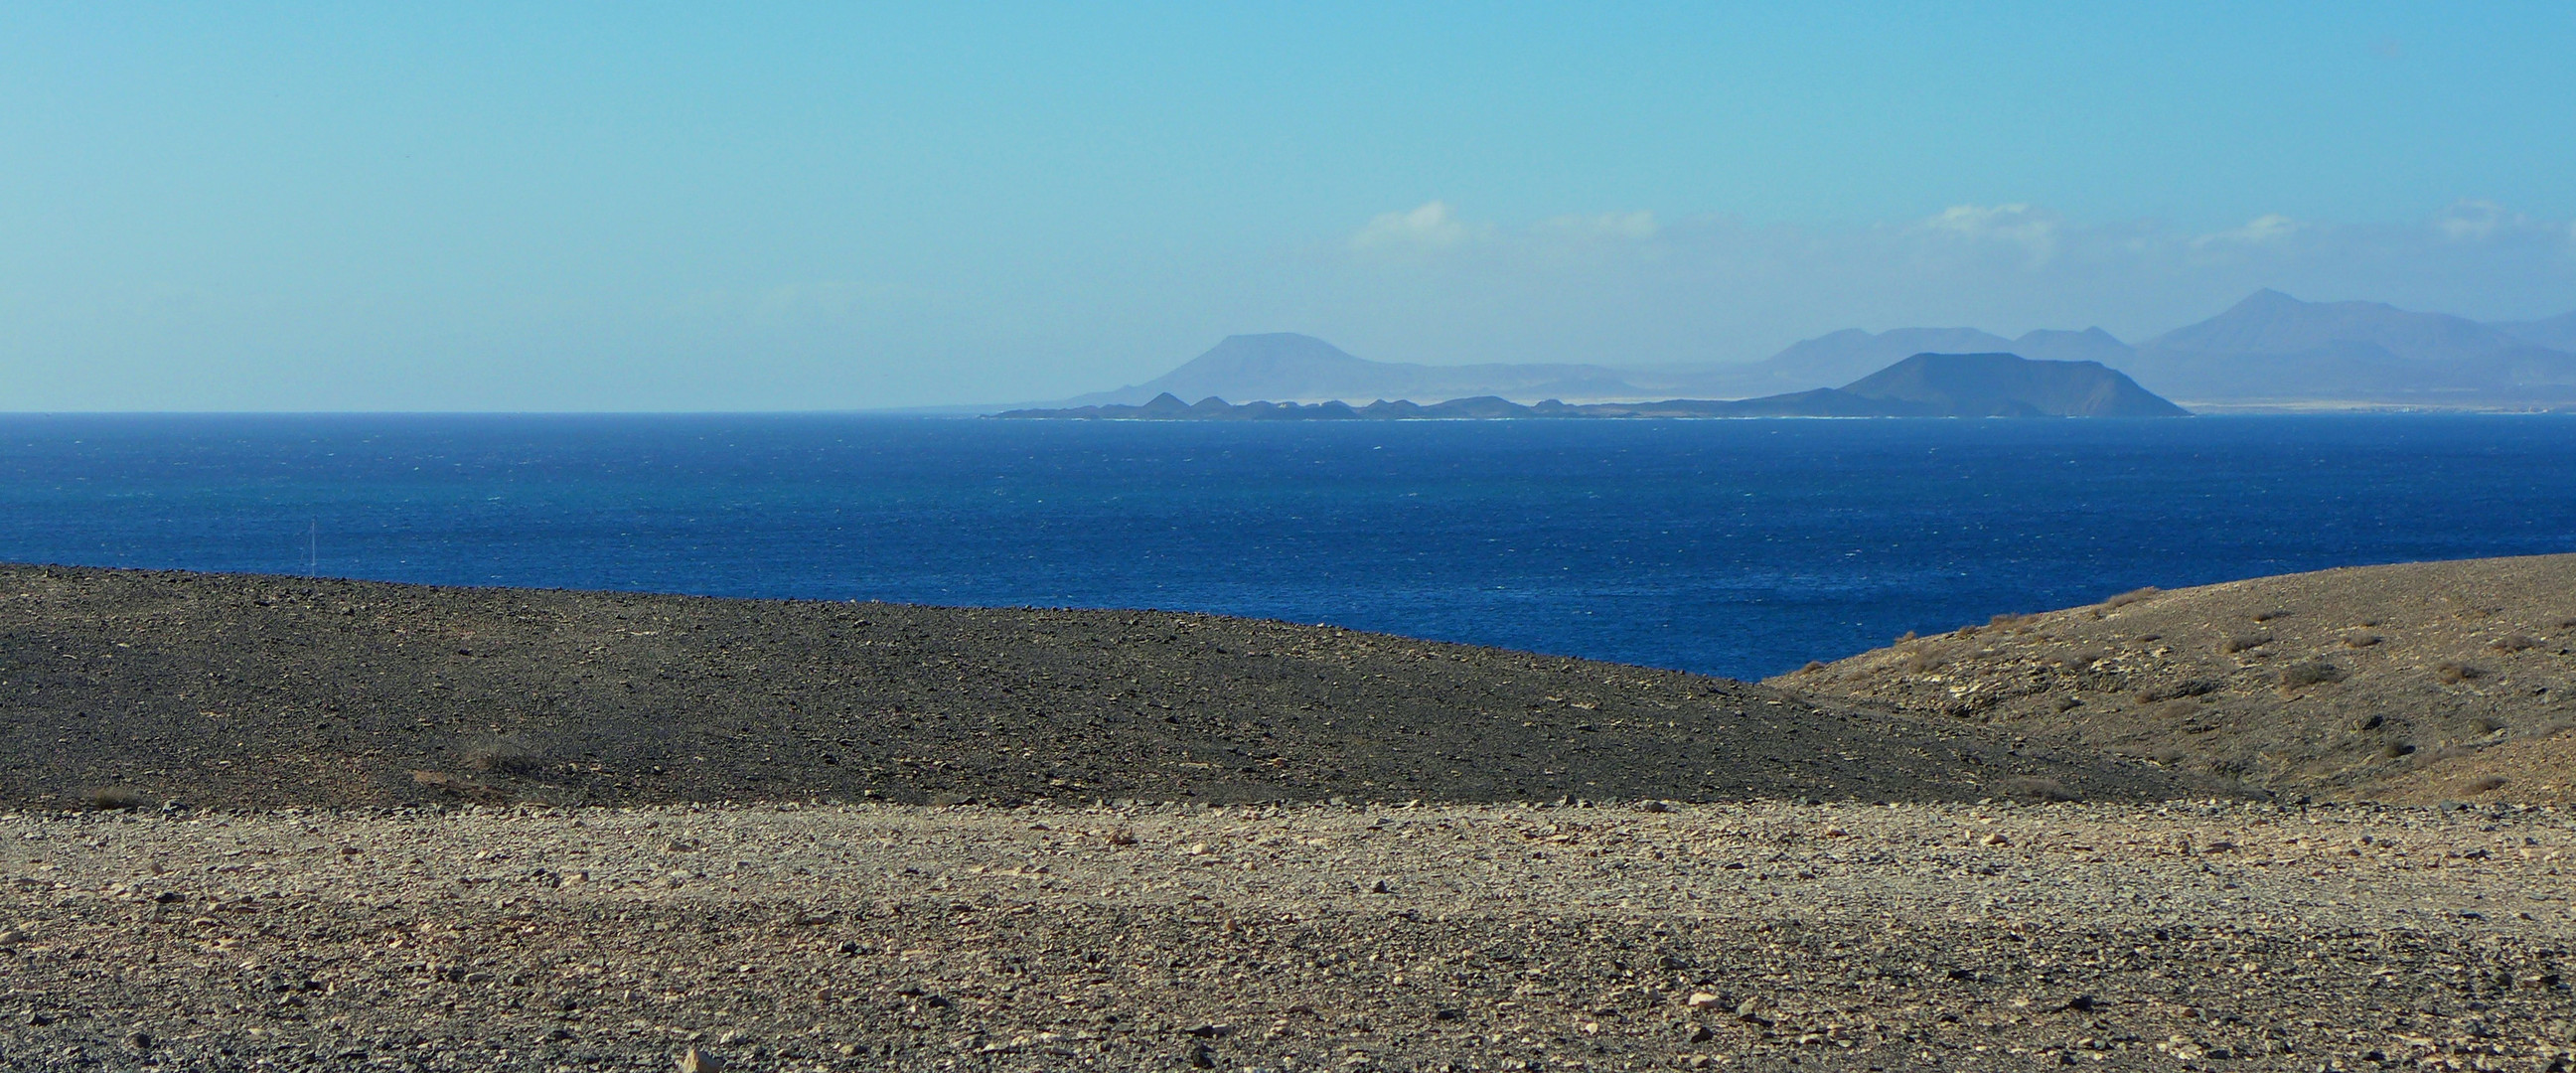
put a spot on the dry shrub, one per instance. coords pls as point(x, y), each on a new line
point(2395, 749)
point(2009, 621)
point(2267, 616)
point(2484, 784)
point(1919, 661)
point(2309, 672)
point(2512, 642)
point(2037, 788)
point(115, 798)
point(2196, 687)
point(2244, 642)
point(2363, 639)
point(2132, 596)
point(1905, 637)
point(507, 756)
point(1812, 666)
point(2453, 674)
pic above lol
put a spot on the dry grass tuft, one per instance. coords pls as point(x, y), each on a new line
point(2512, 642)
point(2363, 639)
point(115, 798)
point(2244, 642)
point(2037, 788)
point(2309, 672)
point(2132, 596)
point(507, 756)
point(2453, 674)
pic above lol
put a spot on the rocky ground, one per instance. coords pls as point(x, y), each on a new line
point(2415, 682)
point(2235, 936)
point(120, 686)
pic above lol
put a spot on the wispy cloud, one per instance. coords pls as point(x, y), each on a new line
point(1431, 225)
point(1632, 286)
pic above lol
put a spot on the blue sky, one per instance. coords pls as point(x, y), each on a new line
point(633, 206)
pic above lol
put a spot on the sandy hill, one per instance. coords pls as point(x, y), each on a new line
point(2415, 682)
point(253, 691)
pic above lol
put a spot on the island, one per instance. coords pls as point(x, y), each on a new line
point(1925, 385)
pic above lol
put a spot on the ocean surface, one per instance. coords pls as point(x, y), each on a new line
point(1742, 548)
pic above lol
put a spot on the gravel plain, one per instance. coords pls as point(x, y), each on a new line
point(1292, 937)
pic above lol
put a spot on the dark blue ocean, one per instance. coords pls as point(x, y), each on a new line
point(1737, 547)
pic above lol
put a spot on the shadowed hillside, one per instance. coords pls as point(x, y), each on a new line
point(260, 691)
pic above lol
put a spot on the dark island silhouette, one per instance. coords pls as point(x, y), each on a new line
point(1925, 385)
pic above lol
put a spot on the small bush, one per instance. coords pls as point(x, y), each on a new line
point(2267, 616)
point(2453, 674)
point(115, 798)
point(2196, 687)
point(2132, 596)
point(2363, 639)
point(1812, 667)
point(2245, 642)
point(505, 757)
point(2512, 642)
point(2310, 672)
point(2485, 783)
point(2395, 749)
point(2037, 788)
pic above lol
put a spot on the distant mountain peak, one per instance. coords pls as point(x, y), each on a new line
point(1290, 366)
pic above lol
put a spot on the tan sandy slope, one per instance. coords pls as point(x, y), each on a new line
point(2414, 682)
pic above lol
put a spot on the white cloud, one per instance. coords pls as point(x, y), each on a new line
point(1629, 226)
point(2472, 220)
point(1433, 225)
point(2271, 227)
point(2032, 230)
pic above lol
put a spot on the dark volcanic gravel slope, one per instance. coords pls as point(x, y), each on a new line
point(232, 690)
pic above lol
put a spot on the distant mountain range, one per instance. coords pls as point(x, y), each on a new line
point(1924, 385)
point(1284, 367)
point(2269, 350)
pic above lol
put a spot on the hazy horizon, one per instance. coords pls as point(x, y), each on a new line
point(809, 208)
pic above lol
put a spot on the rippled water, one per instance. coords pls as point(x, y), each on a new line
point(1735, 547)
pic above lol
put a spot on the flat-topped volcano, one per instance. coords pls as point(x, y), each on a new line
point(2007, 385)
